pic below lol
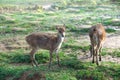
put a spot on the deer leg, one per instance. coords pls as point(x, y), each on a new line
point(57, 56)
point(32, 56)
point(97, 52)
point(50, 60)
point(93, 53)
point(58, 60)
point(100, 50)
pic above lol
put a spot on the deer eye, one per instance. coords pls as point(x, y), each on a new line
point(60, 31)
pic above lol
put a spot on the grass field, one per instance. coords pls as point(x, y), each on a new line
point(19, 18)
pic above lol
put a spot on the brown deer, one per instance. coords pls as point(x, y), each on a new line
point(97, 36)
point(47, 41)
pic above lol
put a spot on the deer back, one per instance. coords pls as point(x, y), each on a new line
point(42, 40)
point(97, 33)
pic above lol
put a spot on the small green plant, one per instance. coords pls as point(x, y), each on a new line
point(20, 58)
point(90, 74)
point(2, 18)
point(10, 71)
point(113, 52)
point(109, 30)
point(76, 47)
point(76, 64)
point(42, 57)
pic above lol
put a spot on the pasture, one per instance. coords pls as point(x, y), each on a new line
point(18, 18)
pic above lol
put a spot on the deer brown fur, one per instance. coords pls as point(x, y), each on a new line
point(97, 36)
point(47, 41)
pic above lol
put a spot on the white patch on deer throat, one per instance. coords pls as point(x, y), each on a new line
point(60, 40)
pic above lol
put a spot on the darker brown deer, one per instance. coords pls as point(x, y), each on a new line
point(97, 36)
point(47, 41)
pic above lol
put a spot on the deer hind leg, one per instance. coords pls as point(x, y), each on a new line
point(100, 50)
point(98, 53)
point(32, 56)
point(93, 53)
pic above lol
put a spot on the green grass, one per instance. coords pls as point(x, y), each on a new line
point(113, 52)
point(75, 47)
point(71, 68)
point(110, 30)
point(93, 74)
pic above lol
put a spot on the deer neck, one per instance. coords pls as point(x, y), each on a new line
point(60, 39)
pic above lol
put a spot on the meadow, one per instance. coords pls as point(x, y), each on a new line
point(18, 18)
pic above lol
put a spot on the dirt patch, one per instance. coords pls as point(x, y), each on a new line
point(12, 43)
point(107, 58)
point(18, 29)
point(2, 47)
point(112, 41)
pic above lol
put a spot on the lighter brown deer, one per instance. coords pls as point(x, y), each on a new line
point(97, 36)
point(47, 41)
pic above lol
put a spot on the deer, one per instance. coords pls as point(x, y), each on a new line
point(47, 41)
point(97, 36)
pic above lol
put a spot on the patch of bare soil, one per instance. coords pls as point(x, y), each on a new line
point(106, 58)
point(112, 41)
point(12, 43)
point(2, 47)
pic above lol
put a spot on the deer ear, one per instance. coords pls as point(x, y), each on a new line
point(64, 26)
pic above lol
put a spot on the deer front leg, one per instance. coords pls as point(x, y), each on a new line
point(32, 57)
point(57, 56)
point(50, 60)
point(58, 60)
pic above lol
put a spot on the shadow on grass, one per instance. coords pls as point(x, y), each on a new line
point(85, 31)
point(20, 57)
point(25, 58)
point(108, 30)
point(110, 22)
point(75, 64)
point(87, 70)
point(75, 47)
point(82, 70)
